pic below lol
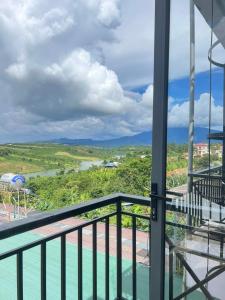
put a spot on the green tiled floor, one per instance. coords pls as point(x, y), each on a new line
point(32, 273)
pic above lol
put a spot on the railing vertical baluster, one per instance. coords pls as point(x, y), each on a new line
point(107, 259)
point(186, 203)
point(170, 273)
point(198, 209)
point(20, 276)
point(119, 251)
point(63, 267)
point(195, 210)
point(80, 267)
point(43, 271)
point(201, 203)
point(134, 277)
point(149, 254)
point(190, 197)
point(221, 247)
point(94, 245)
point(192, 200)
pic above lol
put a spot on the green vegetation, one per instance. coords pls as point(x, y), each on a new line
point(22, 158)
point(69, 187)
point(132, 176)
point(203, 162)
point(29, 158)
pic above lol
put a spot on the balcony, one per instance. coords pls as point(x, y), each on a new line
point(172, 248)
point(95, 259)
point(54, 254)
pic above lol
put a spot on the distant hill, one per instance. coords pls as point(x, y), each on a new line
point(175, 135)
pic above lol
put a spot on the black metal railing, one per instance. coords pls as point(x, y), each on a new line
point(210, 189)
point(118, 209)
point(201, 227)
point(176, 252)
point(214, 171)
point(208, 184)
point(46, 218)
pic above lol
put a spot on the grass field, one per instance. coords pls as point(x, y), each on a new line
point(78, 157)
point(25, 158)
point(18, 167)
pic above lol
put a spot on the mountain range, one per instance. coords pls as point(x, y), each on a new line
point(175, 136)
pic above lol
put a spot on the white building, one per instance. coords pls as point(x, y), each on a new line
point(201, 149)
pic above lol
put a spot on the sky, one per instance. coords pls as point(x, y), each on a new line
point(84, 69)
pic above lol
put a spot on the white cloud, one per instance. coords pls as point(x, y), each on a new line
point(73, 88)
point(64, 66)
point(147, 97)
point(179, 113)
point(40, 31)
point(109, 13)
point(132, 57)
point(135, 117)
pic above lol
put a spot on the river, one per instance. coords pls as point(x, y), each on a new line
point(84, 165)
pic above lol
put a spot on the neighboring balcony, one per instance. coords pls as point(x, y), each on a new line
point(208, 191)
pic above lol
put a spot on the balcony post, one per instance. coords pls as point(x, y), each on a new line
point(191, 107)
point(223, 142)
point(159, 147)
point(119, 250)
point(192, 96)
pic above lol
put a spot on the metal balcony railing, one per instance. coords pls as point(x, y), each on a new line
point(213, 171)
point(118, 204)
point(46, 218)
point(210, 189)
point(208, 184)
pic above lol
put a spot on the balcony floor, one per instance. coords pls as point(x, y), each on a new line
point(32, 265)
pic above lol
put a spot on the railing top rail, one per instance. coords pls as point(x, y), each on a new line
point(211, 176)
point(207, 170)
point(52, 237)
point(140, 200)
point(46, 218)
point(205, 173)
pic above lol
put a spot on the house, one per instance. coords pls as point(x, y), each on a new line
point(113, 164)
point(201, 149)
point(218, 151)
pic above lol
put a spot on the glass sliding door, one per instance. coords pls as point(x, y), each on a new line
point(195, 215)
